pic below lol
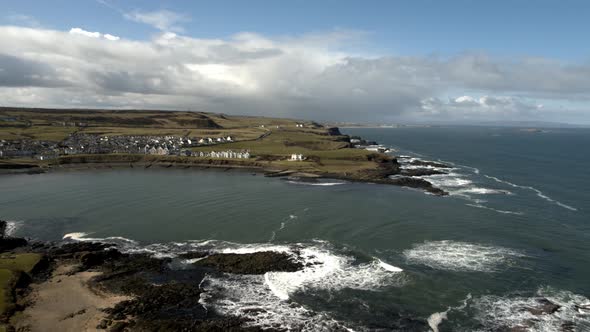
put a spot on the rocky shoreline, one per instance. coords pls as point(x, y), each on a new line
point(387, 172)
point(96, 286)
point(156, 296)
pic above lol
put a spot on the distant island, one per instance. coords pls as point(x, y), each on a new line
point(42, 140)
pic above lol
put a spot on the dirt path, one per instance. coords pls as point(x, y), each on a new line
point(66, 303)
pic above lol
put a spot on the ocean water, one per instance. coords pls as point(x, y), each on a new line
point(515, 227)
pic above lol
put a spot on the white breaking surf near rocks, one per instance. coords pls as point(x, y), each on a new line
point(461, 256)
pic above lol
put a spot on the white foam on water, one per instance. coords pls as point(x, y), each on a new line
point(461, 256)
point(452, 180)
point(442, 169)
point(266, 300)
point(484, 191)
point(535, 190)
point(498, 313)
point(12, 226)
point(325, 184)
point(248, 296)
point(325, 270)
point(436, 318)
point(283, 225)
point(388, 267)
point(77, 236)
point(480, 206)
point(83, 237)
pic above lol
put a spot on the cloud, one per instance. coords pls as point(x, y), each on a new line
point(481, 108)
point(289, 76)
point(82, 32)
point(18, 72)
point(163, 20)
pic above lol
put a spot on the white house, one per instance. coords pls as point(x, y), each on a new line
point(296, 157)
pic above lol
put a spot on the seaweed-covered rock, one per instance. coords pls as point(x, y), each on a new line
point(9, 243)
point(253, 263)
point(95, 258)
point(69, 250)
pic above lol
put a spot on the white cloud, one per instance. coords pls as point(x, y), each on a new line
point(111, 37)
point(78, 31)
point(82, 32)
point(482, 108)
point(163, 20)
point(296, 76)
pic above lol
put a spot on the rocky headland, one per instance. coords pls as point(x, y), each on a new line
point(82, 286)
point(74, 284)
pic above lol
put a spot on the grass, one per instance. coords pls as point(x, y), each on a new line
point(19, 262)
point(45, 133)
point(7, 280)
point(10, 266)
point(324, 153)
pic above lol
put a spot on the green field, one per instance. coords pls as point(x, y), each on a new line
point(11, 265)
point(270, 140)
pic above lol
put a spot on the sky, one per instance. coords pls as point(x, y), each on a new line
point(360, 61)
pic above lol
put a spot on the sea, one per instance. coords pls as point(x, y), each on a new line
point(514, 229)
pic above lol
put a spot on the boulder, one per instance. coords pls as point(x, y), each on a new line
point(9, 243)
point(543, 307)
point(253, 263)
point(429, 163)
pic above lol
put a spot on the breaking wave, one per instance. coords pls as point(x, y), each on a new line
point(327, 184)
point(11, 227)
point(461, 256)
point(436, 318)
point(480, 206)
point(121, 242)
point(267, 300)
point(539, 193)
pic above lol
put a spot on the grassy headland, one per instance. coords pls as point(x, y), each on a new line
point(270, 141)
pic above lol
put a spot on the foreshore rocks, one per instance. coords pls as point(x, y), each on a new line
point(543, 307)
point(420, 172)
point(162, 297)
point(418, 162)
point(7, 242)
point(251, 263)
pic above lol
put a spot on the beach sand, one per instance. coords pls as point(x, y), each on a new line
point(66, 303)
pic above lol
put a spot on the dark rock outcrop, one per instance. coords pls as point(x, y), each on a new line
point(544, 307)
point(420, 172)
point(429, 163)
point(334, 131)
point(418, 183)
point(9, 243)
point(254, 263)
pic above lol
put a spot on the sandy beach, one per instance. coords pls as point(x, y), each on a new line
point(66, 303)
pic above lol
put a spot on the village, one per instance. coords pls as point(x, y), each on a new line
point(97, 144)
point(81, 143)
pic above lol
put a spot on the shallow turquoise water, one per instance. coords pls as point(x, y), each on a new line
point(515, 226)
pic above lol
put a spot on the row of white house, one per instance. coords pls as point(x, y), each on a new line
point(223, 154)
point(209, 140)
point(297, 157)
